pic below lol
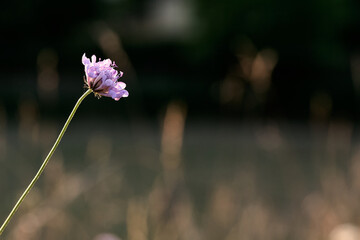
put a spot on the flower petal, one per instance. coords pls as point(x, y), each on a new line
point(118, 94)
point(124, 93)
point(85, 60)
point(120, 85)
point(93, 59)
point(109, 83)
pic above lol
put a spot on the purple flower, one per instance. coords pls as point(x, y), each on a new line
point(102, 78)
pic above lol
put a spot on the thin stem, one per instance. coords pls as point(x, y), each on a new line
point(41, 169)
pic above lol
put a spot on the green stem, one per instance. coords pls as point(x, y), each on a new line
point(41, 169)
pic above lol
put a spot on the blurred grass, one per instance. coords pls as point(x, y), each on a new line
point(227, 161)
point(226, 180)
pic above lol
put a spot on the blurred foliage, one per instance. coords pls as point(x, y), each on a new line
point(173, 161)
point(189, 46)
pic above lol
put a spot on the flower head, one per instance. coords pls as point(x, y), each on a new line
point(102, 78)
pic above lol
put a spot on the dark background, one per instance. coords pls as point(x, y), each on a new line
point(241, 123)
point(189, 55)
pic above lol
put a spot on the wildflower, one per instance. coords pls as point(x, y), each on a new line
point(102, 78)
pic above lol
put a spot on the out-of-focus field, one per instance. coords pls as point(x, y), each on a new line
point(242, 121)
point(181, 178)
